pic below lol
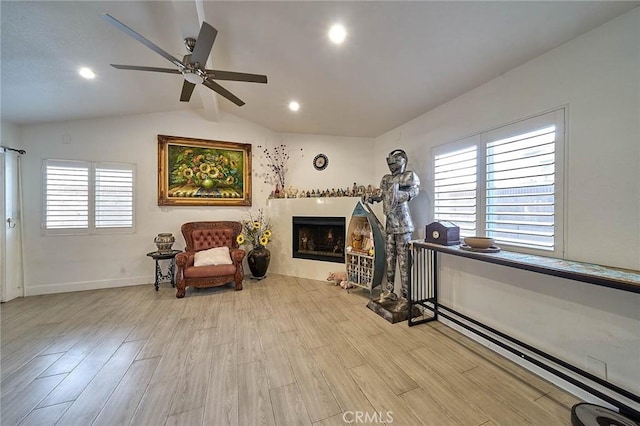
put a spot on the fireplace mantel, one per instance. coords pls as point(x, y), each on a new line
point(281, 211)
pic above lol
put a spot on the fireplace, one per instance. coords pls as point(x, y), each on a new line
point(319, 238)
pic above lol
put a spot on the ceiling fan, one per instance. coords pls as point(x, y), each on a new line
point(192, 65)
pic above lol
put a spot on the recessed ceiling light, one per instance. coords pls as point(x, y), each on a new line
point(86, 73)
point(294, 106)
point(337, 33)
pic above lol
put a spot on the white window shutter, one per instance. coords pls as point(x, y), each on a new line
point(506, 183)
point(520, 181)
point(455, 177)
point(113, 196)
point(66, 195)
point(82, 197)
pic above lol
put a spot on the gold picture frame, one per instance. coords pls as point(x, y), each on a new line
point(201, 172)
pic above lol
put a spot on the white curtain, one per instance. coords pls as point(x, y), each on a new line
point(12, 275)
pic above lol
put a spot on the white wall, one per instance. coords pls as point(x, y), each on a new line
point(597, 77)
point(350, 160)
point(10, 134)
point(69, 263)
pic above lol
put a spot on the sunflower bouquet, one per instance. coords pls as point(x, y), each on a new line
point(256, 230)
point(204, 167)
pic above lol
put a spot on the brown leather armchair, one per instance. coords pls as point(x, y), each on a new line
point(203, 236)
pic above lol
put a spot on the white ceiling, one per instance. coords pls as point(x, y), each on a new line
point(400, 59)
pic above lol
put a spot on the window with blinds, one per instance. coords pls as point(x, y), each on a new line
point(521, 189)
point(455, 180)
point(67, 195)
point(506, 183)
point(114, 197)
point(83, 197)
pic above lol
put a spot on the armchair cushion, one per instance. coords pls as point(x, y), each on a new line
point(213, 256)
point(209, 271)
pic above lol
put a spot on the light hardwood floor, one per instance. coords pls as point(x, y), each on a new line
point(284, 351)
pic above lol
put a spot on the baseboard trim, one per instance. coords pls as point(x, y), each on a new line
point(87, 285)
point(568, 387)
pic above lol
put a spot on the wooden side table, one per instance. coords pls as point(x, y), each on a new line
point(170, 275)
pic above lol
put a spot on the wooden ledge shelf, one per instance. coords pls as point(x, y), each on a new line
point(621, 279)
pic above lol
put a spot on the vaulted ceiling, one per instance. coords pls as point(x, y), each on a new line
point(399, 60)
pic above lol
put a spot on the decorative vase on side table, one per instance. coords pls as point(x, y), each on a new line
point(258, 260)
point(164, 241)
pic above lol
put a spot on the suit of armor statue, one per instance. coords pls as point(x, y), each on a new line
point(397, 189)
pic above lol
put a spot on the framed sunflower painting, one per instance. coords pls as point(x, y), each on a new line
point(200, 172)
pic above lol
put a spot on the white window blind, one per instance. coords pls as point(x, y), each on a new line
point(67, 195)
point(83, 197)
point(455, 188)
point(506, 183)
point(113, 197)
point(520, 189)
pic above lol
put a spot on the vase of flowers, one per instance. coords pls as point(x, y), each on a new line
point(256, 232)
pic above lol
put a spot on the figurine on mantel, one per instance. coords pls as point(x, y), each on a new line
point(291, 191)
point(397, 189)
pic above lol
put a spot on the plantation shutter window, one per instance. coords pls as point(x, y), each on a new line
point(520, 189)
point(455, 191)
point(67, 195)
point(507, 184)
point(113, 197)
point(82, 197)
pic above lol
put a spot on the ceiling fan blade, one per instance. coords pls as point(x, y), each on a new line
point(204, 43)
point(138, 68)
point(187, 90)
point(236, 76)
point(223, 92)
point(122, 27)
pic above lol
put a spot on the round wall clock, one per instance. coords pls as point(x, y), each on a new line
point(320, 162)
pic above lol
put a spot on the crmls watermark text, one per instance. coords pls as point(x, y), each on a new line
point(367, 417)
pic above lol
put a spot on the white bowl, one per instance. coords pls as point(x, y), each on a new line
point(479, 242)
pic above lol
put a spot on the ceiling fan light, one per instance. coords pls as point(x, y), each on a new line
point(192, 77)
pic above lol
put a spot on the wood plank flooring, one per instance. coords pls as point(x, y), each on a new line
point(284, 351)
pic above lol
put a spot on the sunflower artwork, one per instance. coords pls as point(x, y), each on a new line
point(201, 173)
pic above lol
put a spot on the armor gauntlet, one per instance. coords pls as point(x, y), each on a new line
point(409, 186)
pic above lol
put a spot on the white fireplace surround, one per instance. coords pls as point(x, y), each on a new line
point(281, 212)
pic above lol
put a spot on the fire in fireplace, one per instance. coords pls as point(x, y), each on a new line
point(319, 238)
